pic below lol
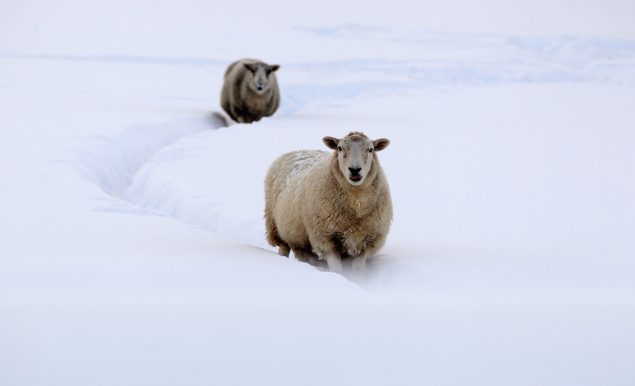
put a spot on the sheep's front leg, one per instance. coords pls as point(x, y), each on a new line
point(335, 263)
point(333, 259)
point(358, 266)
point(326, 250)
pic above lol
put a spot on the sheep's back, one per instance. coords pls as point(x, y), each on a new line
point(291, 167)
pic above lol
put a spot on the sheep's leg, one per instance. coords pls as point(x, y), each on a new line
point(358, 266)
point(325, 250)
point(335, 263)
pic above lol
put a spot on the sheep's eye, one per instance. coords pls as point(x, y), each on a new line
point(370, 150)
point(339, 148)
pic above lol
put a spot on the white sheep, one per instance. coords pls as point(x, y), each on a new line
point(250, 90)
point(329, 206)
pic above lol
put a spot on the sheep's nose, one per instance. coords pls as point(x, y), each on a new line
point(260, 87)
point(354, 171)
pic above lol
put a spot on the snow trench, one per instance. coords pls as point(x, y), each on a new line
point(111, 163)
point(160, 169)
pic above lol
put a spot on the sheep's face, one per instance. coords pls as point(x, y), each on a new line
point(260, 76)
point(355, 155)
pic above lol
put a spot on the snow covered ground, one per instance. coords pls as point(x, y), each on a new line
point(133, 248)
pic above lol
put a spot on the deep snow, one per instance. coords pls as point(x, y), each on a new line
point(133, 247)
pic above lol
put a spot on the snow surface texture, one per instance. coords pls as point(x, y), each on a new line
point(133, 247)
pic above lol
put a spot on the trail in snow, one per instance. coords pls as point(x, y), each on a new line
point(111, 163)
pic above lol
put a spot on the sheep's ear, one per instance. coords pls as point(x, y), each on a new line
point(274, 67)
point(331, 142)
point(380, 144)
point(251, 67)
